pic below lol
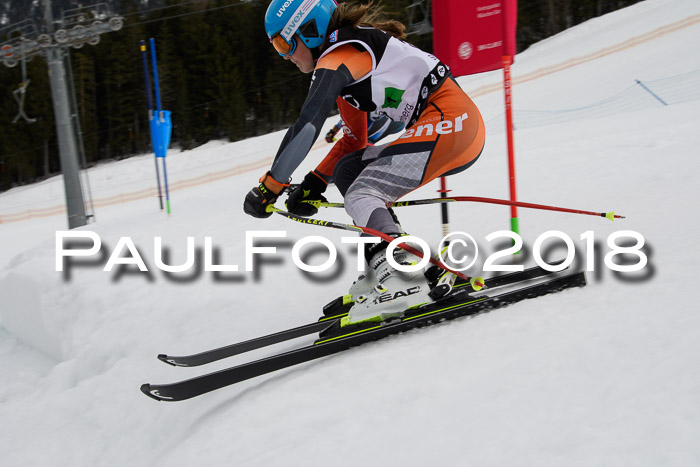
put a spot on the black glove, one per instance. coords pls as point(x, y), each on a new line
point(309, 191)
point(330, 136)
point(259, 198)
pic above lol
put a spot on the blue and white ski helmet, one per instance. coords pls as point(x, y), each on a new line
point(309, 19)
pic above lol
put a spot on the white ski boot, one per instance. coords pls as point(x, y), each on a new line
point(364, 284)
point(368, 280)
point(395, 292)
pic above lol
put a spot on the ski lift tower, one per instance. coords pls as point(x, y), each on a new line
point(76, 28)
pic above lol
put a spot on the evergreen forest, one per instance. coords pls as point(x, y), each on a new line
point(219, 77)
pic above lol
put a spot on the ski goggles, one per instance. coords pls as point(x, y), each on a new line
point(283, 46)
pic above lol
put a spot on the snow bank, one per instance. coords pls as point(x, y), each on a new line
point(608, 374)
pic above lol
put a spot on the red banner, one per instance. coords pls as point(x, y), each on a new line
point(473, 36)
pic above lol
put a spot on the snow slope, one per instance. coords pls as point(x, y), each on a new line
point(604, 375)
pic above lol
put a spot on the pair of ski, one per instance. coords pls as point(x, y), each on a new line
point(461, 302)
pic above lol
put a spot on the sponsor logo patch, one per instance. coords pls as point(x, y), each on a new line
point(441, 128)
point(392, 97)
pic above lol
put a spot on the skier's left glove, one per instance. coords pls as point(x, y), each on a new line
point(259, 198)
point(304, 199)
point(330, 136)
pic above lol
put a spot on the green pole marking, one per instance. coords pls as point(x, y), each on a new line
point(515, 228)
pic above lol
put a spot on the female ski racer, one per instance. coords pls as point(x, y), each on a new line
point(360, 62)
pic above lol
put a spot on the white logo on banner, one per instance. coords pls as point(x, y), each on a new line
point(465, 50)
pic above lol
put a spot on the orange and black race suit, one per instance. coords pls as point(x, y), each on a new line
point(365, 70)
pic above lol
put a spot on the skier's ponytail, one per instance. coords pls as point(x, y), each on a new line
point(370, 14)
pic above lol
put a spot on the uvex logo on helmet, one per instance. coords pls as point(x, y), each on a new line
point(282, 9)
point(297, 18)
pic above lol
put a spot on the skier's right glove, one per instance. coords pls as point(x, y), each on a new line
point(262, 196)
point(330, 136)
point(303, 200)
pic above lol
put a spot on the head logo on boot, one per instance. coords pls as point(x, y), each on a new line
point(387, 297)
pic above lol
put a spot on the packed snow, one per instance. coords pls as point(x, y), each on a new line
point(608, 374)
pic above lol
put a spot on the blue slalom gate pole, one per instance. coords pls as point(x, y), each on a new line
point(162, 126)
point(155, 75)
point(150, 116)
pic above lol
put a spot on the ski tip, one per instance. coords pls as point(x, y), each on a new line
point(477, 283)
point(154, 392)
point(146, 389)
point(164, 358)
